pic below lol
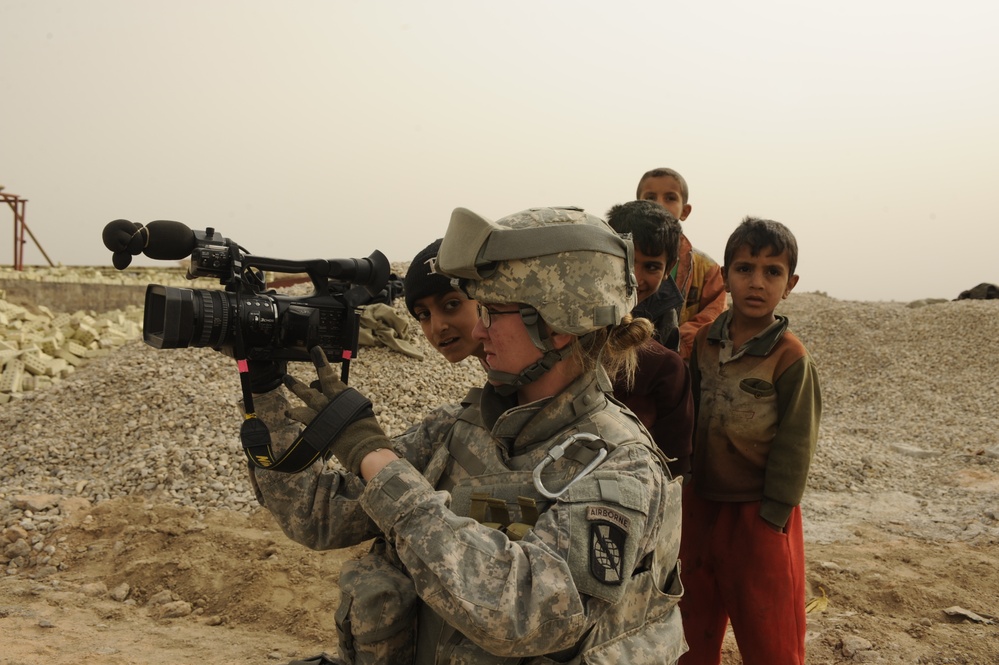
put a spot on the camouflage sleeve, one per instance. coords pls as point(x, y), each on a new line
point(318, 507)
point(418, 443)
point(532, 596)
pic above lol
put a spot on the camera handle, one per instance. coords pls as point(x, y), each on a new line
point(253, 433)
point(369, 274)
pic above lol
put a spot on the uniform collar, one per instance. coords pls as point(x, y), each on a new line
point(528, 425)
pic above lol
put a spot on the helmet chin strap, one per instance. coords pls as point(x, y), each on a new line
point(509, 383)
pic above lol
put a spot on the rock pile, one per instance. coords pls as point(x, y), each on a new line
point(39, 346)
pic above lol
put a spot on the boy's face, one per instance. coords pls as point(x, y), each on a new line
point(649, 272)
point(758, 283)
point(447, 320)
point(666, 191)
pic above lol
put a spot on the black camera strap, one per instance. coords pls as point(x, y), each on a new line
point(313, 442)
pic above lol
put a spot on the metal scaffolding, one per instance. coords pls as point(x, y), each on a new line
point(17, 204)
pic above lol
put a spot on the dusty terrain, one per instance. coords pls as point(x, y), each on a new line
point(902, 537)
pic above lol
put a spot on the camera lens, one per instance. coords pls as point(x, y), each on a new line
point(214, 320)
point(178, 318)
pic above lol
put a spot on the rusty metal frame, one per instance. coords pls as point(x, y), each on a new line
point(17, 204)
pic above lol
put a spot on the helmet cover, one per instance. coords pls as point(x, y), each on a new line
point(569, 265)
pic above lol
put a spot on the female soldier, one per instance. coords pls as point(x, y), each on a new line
point(533, 524)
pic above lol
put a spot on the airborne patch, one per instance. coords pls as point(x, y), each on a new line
point(608, 534)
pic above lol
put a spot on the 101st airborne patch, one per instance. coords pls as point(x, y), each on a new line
point(608, 534)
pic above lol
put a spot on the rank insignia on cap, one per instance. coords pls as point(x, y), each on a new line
point(607, 540)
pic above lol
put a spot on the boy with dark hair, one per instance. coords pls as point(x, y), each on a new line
point(660, 393)
point(656, 236)
point(696, 274)
point(757, 405)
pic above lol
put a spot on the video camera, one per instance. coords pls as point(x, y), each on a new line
point(245, 319)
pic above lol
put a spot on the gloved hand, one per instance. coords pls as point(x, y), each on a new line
point(357, 438)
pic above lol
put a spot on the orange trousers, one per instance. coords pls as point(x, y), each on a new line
point(736, 567)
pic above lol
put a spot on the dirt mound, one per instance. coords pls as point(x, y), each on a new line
point(154, 583)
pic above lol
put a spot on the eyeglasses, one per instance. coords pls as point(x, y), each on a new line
point(486, 315)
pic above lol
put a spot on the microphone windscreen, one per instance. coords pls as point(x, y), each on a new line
point(121, 260)
point(118, 233)
point(138, 241)
point(168, 240)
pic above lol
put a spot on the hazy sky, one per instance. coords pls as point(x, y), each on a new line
point(328, 129)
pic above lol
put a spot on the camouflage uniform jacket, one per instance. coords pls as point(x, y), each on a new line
point(599, 562)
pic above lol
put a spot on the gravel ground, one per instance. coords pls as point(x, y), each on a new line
point(903, 413)
point(123, 493)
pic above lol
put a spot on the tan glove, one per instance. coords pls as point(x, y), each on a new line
point(337, 412)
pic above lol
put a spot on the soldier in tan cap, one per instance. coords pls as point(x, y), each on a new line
point(534, 523)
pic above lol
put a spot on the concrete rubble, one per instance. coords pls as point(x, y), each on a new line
point(39, 349)
point(40, 346)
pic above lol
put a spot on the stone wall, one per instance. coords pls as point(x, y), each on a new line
point(92, 289)
point(70, 297)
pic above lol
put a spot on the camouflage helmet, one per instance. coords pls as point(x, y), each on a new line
point(569, 265)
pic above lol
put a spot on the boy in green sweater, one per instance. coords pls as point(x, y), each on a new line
point(757, 406)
